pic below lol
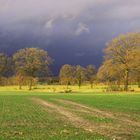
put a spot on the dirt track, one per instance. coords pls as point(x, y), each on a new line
point(124, 118)
point(121, 130)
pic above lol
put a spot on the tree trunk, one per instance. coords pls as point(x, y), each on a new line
point(118, 83)
point(139, 83)
point(30, 84)
point(67, 86)
point(79, 83)
point(126, 80)
point(20, 86)
point(91, 85)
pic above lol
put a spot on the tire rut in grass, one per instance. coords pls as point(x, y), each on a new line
point(80, 122)
point(122, 117)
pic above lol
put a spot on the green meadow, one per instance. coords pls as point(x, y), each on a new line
point(80, 115)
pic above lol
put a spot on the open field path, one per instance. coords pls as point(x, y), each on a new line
point(122, 117)
point(116, 132)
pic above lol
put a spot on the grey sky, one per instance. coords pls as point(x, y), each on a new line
point(25, 12)
point(78, 27)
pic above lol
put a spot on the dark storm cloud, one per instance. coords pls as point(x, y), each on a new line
point(72, 31)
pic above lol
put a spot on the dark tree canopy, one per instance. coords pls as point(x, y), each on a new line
point(4, 64)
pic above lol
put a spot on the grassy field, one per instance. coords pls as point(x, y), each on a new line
point(81, 115)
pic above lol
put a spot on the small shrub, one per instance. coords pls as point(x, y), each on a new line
point(68, 91)
point(114, 88)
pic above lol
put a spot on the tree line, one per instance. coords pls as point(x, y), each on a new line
point(70, 75)
point(26, 65)
point(121, 66)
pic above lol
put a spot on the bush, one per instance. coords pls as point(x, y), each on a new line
point(114, 88)
point(68, 91)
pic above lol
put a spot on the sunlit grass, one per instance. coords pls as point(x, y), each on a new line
point(63, 88)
